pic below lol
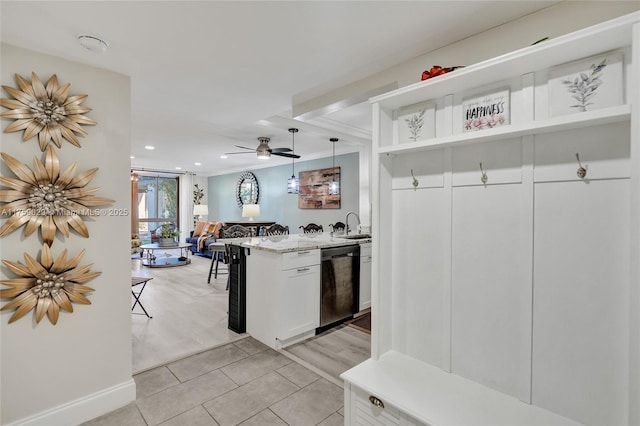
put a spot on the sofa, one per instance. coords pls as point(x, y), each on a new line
point(204, 234)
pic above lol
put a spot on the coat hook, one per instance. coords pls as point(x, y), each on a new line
point(484, 177)
point(582, 172)
point(415, 181)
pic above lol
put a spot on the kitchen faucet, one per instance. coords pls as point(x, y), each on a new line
point(346, 221)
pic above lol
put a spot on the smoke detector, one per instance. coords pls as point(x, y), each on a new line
point(93, 43)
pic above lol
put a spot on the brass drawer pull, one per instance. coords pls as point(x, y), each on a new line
point(375, 401)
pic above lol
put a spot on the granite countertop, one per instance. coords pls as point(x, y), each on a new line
point(294, 242)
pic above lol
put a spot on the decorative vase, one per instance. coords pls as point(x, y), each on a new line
point(166, 242)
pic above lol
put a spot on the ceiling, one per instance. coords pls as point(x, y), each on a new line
point(208, 75)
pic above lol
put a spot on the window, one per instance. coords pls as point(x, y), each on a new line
point(157, 203)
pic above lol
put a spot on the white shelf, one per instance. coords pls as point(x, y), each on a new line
point(610, 35)
point(556, 124)
point(435, 397)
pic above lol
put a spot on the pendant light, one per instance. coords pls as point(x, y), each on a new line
point(293, 185)
point(334, 186)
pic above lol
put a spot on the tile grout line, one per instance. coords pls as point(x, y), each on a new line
point(313, 368)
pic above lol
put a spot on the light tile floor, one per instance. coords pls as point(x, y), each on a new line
point(243, 382)
point(189, 315)
point(190, 369)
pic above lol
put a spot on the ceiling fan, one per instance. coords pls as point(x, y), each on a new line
point(264, 152)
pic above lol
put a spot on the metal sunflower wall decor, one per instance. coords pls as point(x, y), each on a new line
point(47, 111)
point(46, 199)
point(47, 285)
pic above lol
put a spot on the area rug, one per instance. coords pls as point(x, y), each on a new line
point(362, 323)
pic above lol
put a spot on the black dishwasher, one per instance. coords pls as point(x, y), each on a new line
point(340, 285)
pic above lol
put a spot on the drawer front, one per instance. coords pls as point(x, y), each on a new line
point(501, 163)
point(298, 259)
point(365, 412)
point(603, 152)
point(368, 414)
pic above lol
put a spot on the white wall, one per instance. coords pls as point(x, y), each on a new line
point(81, 367)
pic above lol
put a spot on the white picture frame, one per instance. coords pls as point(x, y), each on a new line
point(587, 84)
point(417, 122)
point(487, 111)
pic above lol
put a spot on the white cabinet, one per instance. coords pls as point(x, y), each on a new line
point(365, 276)
point(495, 262)
point(299, 294)
point(283, 296)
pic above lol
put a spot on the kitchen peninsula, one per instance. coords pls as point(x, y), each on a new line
point(296, 284)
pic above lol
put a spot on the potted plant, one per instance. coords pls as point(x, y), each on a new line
point(167, 235)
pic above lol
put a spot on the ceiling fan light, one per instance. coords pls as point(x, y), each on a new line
point(263, 150)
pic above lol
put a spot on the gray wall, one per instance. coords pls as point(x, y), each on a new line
point(276, 204)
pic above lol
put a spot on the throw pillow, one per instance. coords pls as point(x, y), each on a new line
point(214, 228)
point(199, 228)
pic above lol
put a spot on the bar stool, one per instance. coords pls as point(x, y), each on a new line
point(135, 281)
point(217, 250)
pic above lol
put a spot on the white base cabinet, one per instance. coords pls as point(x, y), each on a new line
point(365, 276)
point(283, 296)
point(506, 266)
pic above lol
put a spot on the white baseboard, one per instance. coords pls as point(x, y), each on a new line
point(85, 408)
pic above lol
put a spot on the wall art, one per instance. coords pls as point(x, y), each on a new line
point(46, 199)
point(586, 85)
point(314, 189)
point(417, 122)
point(45, 110)
point(46, 285)
point(486, 111)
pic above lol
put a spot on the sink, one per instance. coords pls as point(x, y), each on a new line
point(354, 236)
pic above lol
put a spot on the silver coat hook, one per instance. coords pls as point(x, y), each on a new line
point(484, 177)
point(415, 181)
point(581, 172)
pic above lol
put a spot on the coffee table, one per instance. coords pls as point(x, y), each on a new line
point(154, 257)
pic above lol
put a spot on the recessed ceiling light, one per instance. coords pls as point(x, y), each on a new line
point(149, 147)
point(198, 164)
point(178, 168)
point(131, 157)
point(223, 156)
point(93, 43)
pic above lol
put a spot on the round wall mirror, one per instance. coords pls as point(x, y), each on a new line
point(247, 189)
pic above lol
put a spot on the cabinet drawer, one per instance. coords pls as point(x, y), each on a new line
point(297, 259)
point(367, 413)
point(501, 163)
point(603, 152)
